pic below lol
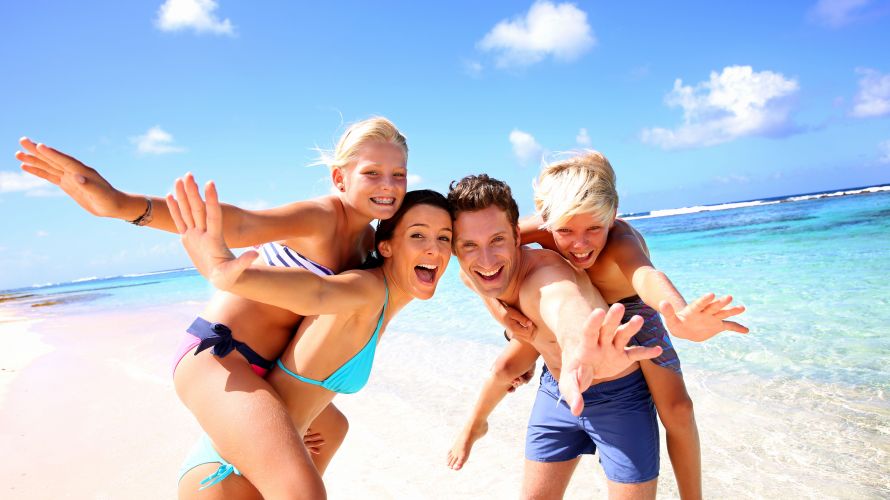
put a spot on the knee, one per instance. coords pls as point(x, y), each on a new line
point(506, 370)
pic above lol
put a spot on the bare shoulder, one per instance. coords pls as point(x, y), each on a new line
point(544, 266)
point(369, 284)
point(623, 239)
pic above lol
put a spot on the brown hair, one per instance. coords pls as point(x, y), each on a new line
point(478, 192)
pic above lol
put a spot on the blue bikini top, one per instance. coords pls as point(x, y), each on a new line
point(354, 374)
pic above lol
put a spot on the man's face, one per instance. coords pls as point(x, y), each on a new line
point(487, 247)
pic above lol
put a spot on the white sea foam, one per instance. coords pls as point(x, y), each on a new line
point(701, 208)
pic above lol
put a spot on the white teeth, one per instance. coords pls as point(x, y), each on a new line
point(489, 275)
point(428, 266)
point(384, 201)
point(582, 256)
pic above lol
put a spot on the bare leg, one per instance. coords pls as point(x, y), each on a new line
point(233, 488)
point(248, 424)
point(675, 411)
point(460, 450)
point(638, 491)
point(547, 480)
point(331, 423)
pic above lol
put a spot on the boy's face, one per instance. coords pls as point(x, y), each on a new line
point(486, 246)
point(581, 239)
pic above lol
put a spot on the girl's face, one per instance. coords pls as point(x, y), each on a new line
point(581, 239)
point(374, 184)
point(419, 250)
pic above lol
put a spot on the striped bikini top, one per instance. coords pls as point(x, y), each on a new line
point(278, 255)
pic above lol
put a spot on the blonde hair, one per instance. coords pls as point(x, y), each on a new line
point(374, 129)
point(582, 183)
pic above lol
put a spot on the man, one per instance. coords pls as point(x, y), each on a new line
point(580, 344)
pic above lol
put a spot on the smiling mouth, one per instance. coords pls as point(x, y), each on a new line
point(490, 276)
point(426, 273)
point(580, 257)
point(380, 200)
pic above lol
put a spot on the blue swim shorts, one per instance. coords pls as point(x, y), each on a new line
point(618, 420)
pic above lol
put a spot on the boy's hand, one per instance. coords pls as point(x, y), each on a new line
point(522, 379)
point(703, 318)
point(518, 326)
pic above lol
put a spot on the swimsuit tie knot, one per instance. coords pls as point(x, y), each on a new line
point(222, 341)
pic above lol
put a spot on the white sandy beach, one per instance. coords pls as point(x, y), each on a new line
point(88, 411)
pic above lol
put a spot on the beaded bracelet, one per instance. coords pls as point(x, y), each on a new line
point(145, 218)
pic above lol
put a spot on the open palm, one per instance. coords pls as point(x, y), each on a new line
point(200, 228)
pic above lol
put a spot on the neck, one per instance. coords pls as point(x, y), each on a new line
point(355, 221)
point(511, 293)
point(398, 296)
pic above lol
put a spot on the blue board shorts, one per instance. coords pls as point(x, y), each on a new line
point(618, 420)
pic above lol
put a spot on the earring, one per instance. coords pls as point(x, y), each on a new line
point(341, 187)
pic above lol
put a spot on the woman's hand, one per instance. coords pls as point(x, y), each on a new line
point(200, 228)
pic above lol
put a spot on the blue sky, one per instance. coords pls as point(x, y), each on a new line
point(693, 102)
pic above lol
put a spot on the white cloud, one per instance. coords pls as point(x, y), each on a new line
point(837, 13)
point(735, 103)
point(473, 68)
point(156, 141)
point(583, 139)
point(873, 98)
point(176, 15)
point(548, 29)
point(41, 233)
point(254, 204)
point(11, 182)
point(525, 147)
point(884, 148)
point(732, 179)
point(414, 179)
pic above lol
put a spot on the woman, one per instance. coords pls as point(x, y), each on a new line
point(224, 386)
point(345, 314)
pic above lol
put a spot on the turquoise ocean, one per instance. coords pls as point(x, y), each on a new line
point(802, 399)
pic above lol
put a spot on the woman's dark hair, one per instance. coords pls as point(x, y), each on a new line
point(385, 228)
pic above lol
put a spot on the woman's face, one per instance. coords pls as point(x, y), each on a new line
point(374, 184)
point(419, 250)
point(581, 239)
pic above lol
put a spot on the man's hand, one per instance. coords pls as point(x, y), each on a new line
point(599, 351)
point(703, 318)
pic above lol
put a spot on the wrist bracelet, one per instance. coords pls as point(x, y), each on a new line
point(145, 218)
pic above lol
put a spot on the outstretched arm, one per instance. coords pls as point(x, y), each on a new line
point(200, 226)
point(593, 343)
point(698, 321)
point(511, 364)
point(97, 196)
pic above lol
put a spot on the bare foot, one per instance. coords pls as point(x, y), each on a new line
point(460, 452)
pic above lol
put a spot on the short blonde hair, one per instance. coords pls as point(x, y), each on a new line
point(582, 183)
point(374, 129)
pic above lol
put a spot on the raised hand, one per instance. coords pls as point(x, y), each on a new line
point(82, 183)
point(200, 228)
point(703, 318)
point(601, 352)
